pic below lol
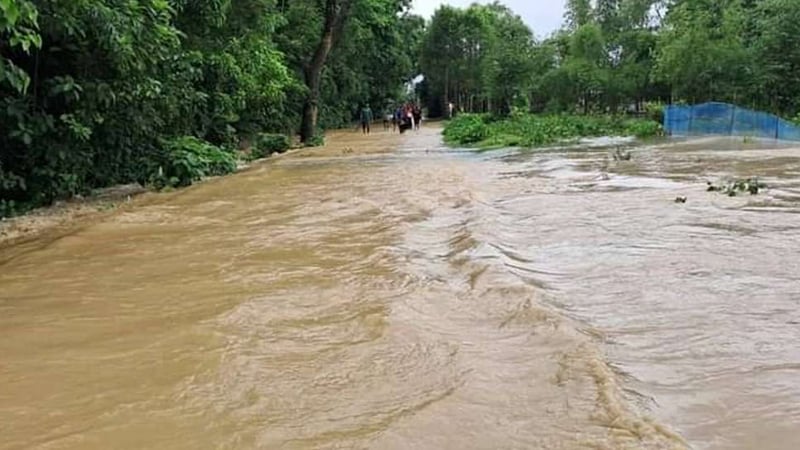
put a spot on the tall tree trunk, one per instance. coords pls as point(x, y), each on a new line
point(336, 12)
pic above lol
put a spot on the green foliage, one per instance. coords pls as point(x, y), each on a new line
point(509, 62)
point(484, 59)
point(703, 52)
point(371, 62)
point(91, 90)
point(579, 13)
point(480, 58)
point(734, 187)
point(776, 53)
point(317, 141)
point(655, 111)
point(9, 182)
point(644, 128)
point(616, 55)
point(466, 129)
point(188, 159)
point(19, 27)
point(267, 144)
point(528, 130)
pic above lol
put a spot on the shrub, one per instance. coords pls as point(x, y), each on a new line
point(655, 111)
point(267, 144)
point(529, 130)
point(188, 159)
point(467, 129)
point(10, 183)
point(8, 208)
point(644, 129)
point(317, 141)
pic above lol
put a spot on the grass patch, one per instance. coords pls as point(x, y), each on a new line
point(527, 130)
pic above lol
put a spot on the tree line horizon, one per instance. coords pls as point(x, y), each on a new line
point(611, 55)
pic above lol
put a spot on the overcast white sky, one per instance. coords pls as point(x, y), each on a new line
point(543, 16)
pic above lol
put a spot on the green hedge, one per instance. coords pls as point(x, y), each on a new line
point(267, 144)
point(188, 159)
point(527, 130)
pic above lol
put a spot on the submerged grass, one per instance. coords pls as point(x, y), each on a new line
point(527, 130)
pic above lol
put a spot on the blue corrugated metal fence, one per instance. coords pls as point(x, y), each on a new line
point(725, 119)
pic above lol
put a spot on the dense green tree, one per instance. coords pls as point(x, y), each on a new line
point(450, 45)
point(19, 26)
point(334, 18)
point(615, 55)
point(98, 92)
point(480, 58)
point(509, 62)
point(777, 53)
point(578, 13)
point(702, 51)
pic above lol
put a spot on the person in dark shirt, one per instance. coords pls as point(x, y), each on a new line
point(366, 119)
point(398, 118)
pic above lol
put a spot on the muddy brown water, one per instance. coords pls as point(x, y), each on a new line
point(420, 297)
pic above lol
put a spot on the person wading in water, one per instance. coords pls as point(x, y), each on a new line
point(407, 119)
point(398, 119)
point(366, 119)
point(388, 118)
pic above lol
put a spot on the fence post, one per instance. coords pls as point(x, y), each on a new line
point(777, 127)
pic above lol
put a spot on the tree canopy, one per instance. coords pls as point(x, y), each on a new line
point(98, 92)
point(615, 55)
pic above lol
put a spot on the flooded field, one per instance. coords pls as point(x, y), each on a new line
point(413, 296)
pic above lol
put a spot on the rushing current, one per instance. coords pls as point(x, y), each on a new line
point(413, 296)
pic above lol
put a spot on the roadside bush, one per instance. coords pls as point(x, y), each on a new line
point(528, 130)
point(9, 183)
point(317, 141)
point(188, 159)
point(645, 129)
point(8, 208)
point(655, 111)
point(267, 144)
point(467, 129)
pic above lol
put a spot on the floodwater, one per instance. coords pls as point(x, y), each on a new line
point(419, 297)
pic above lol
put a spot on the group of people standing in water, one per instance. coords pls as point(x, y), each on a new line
point(404, 118)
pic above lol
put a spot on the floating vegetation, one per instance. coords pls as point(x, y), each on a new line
point(530, 131)
point(732, 188)
point(621, 155)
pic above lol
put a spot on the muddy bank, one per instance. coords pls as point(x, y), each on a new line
point(66, 214)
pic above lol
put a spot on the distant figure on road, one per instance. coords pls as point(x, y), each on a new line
point(388, 118)
point(397, 120)
point(450, 109)
point(366, 119)
point(417, 113)
point(406, 119)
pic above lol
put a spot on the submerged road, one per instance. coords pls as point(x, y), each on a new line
point(390, 293)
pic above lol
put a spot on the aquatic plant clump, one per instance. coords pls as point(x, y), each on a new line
point(732, 188)
point(528, 130)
